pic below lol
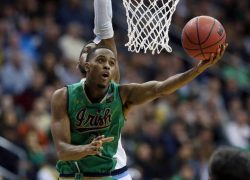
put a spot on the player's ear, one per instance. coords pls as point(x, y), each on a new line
point(86, 66)
point(83, 57)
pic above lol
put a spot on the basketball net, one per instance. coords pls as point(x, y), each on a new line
point(148, 24)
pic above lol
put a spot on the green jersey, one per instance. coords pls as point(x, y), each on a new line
point(89, 120)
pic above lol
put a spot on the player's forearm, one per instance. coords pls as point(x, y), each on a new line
point(103, 19)
point(67, 152)
point(110, 43)
point(104, 29)
point(177, 81)
point(103, 24)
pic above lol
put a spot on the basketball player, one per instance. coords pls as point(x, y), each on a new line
point(229, 164)
point(109, 43)
point(87, 117)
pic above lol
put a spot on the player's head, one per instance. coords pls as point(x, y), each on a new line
point(100, 66)
point(229, 164)
point(83, 56)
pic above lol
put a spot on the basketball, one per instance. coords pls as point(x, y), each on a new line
point(202, 36)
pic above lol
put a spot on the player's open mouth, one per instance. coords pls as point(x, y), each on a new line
point(105, 75)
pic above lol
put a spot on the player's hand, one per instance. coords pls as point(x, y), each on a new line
point(87, 49)
point(95, 147)
point(214, 58)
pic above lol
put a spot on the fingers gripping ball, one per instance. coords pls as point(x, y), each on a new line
point(202, 36)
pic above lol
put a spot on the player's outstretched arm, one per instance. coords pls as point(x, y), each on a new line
point(60, 129)
point(134, 94)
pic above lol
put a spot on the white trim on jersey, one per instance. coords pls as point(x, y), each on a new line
point(120, 156)
point(124, 176)
point(83, 80)
point(83, 85)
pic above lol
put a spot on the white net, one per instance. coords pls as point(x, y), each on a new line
point(148, 24)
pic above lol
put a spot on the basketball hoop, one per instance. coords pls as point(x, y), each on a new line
point(148, 24)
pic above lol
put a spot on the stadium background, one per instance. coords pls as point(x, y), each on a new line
point(171, 138)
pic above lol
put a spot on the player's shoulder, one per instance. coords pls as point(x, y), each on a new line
point(60, 95)
point(127, 87)
point(59, 104)
point(125, 90)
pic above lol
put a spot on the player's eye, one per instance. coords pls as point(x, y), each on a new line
point(100, 60)
point(112, 63)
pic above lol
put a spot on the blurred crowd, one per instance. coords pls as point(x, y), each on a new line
point(171, 138)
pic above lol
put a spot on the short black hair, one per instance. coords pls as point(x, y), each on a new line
point(229, 164)
point(91, 51)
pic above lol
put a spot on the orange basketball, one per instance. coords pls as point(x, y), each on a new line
point(202, 36)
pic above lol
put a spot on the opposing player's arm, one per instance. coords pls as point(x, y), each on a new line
point(110, 43)
point(135, 94)
point(104, 29)
point(60, 129)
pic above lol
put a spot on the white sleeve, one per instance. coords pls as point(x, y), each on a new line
point(103, 19)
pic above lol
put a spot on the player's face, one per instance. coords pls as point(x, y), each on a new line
point(102, 67)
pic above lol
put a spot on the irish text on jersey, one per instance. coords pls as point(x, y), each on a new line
point(89, 122)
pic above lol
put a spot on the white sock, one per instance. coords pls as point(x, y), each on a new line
point(103, 20)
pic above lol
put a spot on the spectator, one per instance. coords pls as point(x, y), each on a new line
point(71, 43)
point(238, 131)
point(16, 74)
